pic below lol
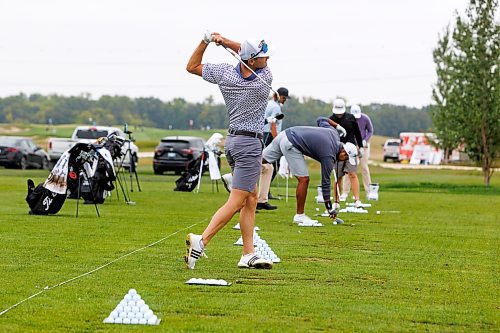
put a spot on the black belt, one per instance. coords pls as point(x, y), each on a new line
point(245, 133)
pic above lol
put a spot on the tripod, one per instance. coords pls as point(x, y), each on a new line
point(132, 168)
point(120, 176)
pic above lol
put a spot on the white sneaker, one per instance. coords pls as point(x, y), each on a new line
point(253, 260)
point(357, 204)
point(343, 197)
point(227, 180)
point(303, 219)
point(194, 250)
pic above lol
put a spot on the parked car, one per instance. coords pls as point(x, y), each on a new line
point(174, 153)
point(89, 134)
point(23, 153)
point(391, 150)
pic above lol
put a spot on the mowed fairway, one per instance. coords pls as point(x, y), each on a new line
point(428, 262)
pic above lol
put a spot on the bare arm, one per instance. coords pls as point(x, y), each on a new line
point(194, 65)
point(332, 123)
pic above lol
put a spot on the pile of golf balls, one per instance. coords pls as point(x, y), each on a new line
point(212, 282)
point(353, 210)
point(265, 251)
point(132, 310)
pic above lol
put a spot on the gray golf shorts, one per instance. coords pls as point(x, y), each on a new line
point(346, 167)
point(281, 146)
point(244, 155)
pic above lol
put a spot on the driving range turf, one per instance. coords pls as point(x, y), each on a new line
point(428, 262)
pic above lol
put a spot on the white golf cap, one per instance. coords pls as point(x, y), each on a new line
point(338, 106)
point(356, 111)
point(254, 48)
point(352, 152)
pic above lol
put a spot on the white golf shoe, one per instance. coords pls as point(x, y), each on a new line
point(358, 204)
point(303, 219)
point(253, 260)
point(343, 197)
point(194, 250)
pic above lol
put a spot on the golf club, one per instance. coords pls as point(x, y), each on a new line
point(337, 220)
point(234, 54)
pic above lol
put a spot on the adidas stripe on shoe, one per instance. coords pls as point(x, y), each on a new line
point(254, 261)
point(193, 250)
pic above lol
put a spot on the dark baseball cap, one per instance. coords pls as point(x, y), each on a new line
point(283, 92)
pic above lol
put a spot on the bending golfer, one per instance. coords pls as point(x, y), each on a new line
point(323, 145)
point(245, 96)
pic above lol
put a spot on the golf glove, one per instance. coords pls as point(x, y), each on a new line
point(207, 37)
point(365, 144)
point(330, 209)
point(341, 130)
point(271, 120)
point(361, 152)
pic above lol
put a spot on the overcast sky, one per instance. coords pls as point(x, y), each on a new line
point(364, 50)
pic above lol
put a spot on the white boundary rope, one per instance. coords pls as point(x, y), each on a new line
point(94, 270)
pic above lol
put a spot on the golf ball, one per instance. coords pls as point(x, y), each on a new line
point(140, 303)
point(134, 321)
point(136, 297)
point(118, 320)
point(122, 315)
point(127, 309)
point(148, 314)
point(152, 320)
point(144, 308)
point(131, 304)
point(126, 320)
point(113, 314)
point(378, 212)
point(143, 321)
point(109, 320)
point(127, 297)
point(135, 309)
point(132, 292)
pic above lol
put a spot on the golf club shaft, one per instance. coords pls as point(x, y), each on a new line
point(234, 54)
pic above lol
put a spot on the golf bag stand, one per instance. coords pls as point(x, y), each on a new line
point(86, 177)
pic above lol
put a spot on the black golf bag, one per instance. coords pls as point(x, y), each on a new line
point(90, 175)
point(43, 201)
point(74, 170)
point(189, 179)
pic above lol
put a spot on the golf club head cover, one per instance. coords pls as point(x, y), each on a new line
point(331, 211)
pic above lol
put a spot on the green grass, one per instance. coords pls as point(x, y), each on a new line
point(431, 267)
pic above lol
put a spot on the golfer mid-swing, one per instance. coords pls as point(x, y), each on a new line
point(245, 96)
point(322, 144)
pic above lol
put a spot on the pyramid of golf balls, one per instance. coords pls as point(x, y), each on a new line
point(132, 310)
point(261, 248)
point(265, 251)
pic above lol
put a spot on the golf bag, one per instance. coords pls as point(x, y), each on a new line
point(83, 162)
point(43, 201)
point(189, 179)
point(91, 176)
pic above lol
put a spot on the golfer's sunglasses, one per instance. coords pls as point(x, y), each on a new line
point(263, 48)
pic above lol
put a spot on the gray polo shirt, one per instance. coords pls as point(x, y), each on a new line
point(245, 98)
point(321, 143)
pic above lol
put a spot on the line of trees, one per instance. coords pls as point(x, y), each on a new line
point(388, 120)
